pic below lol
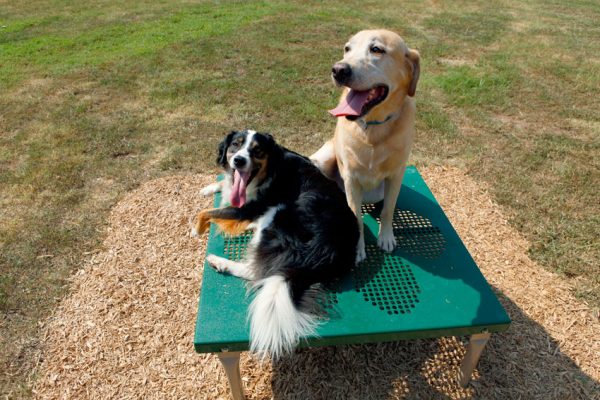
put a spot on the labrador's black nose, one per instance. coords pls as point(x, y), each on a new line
point(341, 72)
point(239, 161)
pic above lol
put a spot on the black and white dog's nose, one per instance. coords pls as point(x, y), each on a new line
point(341, 72)
point(239, 161)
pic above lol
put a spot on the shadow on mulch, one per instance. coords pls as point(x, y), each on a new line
point(126, 329)
point(524, 362)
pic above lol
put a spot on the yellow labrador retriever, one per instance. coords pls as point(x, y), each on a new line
point(375, 126)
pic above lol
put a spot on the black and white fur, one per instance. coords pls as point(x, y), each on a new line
point(304, 235)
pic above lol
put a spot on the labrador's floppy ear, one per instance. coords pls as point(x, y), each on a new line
point(222, 157)
point(414, 61)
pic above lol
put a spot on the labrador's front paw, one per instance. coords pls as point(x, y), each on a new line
point(386, 240)
point(361, 254)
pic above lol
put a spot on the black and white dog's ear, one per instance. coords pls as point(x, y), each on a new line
point(269, 143)
point(274, 150)
point(270, 138)
point(222, 157)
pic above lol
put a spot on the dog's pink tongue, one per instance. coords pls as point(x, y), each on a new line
point(238, 192)
point(351, 104)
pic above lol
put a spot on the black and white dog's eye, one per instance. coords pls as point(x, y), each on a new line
point(377, 50)
point(258, 154)
point(234, 145)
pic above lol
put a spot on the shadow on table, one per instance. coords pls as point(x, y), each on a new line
point(523, 362)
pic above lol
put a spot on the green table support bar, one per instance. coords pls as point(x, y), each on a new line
point(428, 287)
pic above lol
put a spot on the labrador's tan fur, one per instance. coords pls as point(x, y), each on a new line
point(371, 159)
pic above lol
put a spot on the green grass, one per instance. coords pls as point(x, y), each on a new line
point(469, 27)
point(97, 98)
point(470, 86)
point(60, 52)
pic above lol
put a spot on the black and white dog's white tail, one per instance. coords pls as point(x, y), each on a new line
point(276, 323)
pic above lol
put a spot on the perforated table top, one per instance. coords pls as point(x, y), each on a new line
point(428, 287)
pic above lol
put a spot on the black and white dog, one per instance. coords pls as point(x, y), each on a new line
point(304, 235)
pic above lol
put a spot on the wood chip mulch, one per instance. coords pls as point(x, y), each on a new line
point(126, 329)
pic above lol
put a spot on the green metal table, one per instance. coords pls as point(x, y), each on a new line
point(428, 287)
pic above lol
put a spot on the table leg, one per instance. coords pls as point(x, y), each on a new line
point(231, 363)
point(476, 345)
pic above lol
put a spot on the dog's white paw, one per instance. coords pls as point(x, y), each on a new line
point(386, 240)
point(210, 189)
point(361, 254)
point(192, 225)
point(215, 262)
point(207, 191)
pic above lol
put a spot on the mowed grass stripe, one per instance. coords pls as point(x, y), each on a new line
point(82, 47)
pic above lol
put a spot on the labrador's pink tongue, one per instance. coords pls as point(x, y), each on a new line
point(238, 192)
point(352, 104)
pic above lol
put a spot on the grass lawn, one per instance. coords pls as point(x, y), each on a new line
point(96, 98)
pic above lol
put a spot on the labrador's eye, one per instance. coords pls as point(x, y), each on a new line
point(346, 49)
point(377, 50)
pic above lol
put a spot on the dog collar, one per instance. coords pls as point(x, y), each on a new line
point(366, 124)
